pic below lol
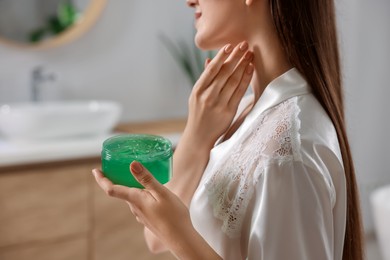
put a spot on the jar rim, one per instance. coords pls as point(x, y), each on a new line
point(117, 147)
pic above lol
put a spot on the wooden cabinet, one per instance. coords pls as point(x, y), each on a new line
point(45, 210)
point(56, 249)
point(56, 211)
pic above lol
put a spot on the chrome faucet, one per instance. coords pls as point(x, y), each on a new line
point(38, 77)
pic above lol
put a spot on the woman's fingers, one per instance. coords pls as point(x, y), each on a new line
point(145, 178)
point(112, 190)
point(207, 62)
point(135, 212)
point(241, 89)
point(132, 209)
point(132, 195)
point(236, 77)
point(213, 67)
point(225, 69)
point(230, 65)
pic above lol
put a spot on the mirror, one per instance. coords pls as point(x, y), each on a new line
point(46, 23)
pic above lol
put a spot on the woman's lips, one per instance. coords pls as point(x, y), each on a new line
point(198, 15)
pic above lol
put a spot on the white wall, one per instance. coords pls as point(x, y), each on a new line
point(365, 40)
point(121, 59)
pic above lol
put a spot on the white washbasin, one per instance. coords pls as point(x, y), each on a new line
point(60, 119)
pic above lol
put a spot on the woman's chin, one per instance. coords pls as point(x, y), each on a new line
point(200, 42)
point(204, 42)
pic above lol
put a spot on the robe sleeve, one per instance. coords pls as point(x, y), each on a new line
point(292, 214)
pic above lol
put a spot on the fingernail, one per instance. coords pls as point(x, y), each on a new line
point(248, 55)
point(136, 167)
point(250, 68)
point(94, 172)
point(244, 46)
point(228, 48)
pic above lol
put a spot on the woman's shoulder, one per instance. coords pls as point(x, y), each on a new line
point(317, 131)
point(298, 135)
point(294, 128)
point(298, 131)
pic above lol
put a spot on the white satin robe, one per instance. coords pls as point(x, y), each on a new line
point(276, 189)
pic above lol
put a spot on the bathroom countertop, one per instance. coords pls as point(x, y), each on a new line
point(16, 153)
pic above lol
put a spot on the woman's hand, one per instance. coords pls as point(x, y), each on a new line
point(161, 211)
point(216, 95)
point(213, 104)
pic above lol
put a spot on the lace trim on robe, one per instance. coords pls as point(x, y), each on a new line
point(274, 137)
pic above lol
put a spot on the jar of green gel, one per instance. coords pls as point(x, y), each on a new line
point(154, 152)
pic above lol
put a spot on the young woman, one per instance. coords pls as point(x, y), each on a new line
point(264, 176)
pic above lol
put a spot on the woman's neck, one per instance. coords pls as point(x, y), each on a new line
point(270, 61)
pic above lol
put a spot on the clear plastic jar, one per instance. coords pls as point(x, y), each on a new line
point(154, 152)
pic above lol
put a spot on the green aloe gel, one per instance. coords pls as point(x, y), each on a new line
point(154, 152)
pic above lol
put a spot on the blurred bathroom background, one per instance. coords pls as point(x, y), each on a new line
point(121, 58)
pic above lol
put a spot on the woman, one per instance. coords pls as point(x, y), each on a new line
point(264, 176)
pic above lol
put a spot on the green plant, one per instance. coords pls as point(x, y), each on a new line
point(189, 57)
point(65, 17)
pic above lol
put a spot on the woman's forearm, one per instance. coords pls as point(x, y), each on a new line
point(154, 244)
point(192, 246)
point(189, 162)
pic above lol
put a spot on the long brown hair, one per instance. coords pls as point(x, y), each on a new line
point(307, 31)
